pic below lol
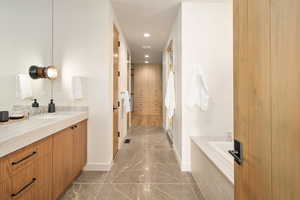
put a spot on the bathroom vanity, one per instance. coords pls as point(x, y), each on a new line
point(41, 157)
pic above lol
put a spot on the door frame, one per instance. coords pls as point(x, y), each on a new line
point(116, 102)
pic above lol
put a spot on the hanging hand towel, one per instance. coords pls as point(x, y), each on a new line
point(77, 88)
point(199, 94)
point(126, 101)
point(170, 96)
point(23, 87)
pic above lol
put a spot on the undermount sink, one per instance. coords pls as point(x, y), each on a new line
point(48, 116)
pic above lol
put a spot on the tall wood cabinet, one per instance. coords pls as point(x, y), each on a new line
point(267, 93)
point(45, 169)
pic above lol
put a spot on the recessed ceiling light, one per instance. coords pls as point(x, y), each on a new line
point(146, 35)
point(146, 47)
point(146, 56)
point(146, 62)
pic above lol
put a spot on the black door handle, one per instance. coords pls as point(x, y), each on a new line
point(237, 153)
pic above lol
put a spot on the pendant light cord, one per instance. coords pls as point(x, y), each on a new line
point(52, 44)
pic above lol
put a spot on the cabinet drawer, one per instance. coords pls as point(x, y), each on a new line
point(21, 159)
point(24, 183)
point(24, 157)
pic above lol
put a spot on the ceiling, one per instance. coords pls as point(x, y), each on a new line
point(137, 17)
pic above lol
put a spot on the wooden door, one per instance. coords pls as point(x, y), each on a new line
point(147, 95)
point(62, 161)
point(285, 58)
point(116, 103)
point(253, 99)
point(267, 92)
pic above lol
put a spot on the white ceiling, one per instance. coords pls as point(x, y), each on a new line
point(137, 17)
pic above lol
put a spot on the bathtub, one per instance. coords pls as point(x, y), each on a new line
point(213, 167)
point(223, 147)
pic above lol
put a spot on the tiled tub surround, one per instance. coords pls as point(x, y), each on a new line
point(144, 169)
point(212, 168)
point(20, 134)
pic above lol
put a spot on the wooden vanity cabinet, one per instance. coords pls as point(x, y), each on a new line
point(27, 173)
point(45, 169)
point(69, 156)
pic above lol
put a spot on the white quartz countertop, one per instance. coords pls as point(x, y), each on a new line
point(17, 135)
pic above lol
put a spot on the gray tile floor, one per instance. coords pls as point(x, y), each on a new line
point(145, 169)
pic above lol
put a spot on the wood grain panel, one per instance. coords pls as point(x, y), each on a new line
point(22, 185)
point(286, 94)
point(3, 169)
point(5, 189)
point(147, 95)
point(116, 71)
point(253, 99)
point(84, 129)
point(62, 161)
point(43, 173)
point(241, 94)
point(77, 149)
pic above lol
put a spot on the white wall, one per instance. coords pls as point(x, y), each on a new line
point(24, 41)
point(175, 36)
point(206, 43)
point(84, 46)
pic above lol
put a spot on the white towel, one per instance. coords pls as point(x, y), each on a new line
point(23, 86)
point(170, 96)
point(126, 101)
point(198, 93)
point(77, 88)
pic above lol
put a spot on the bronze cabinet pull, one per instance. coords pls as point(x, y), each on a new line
point(26, 186)
point(25, 158)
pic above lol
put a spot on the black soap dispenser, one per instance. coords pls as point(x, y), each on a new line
point(35, 104)
point(51, 107)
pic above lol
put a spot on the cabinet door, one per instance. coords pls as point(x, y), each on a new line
point(62, 161)
point(84, 143)
point(43, 170)
point(5, 190)
point(77, 149)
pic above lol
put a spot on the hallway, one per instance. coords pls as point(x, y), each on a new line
point(144, 169)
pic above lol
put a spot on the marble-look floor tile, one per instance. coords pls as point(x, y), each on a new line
point(91, 177)
point(172, 192)
point(124, 192)
point(144, 169)
point(83, 192)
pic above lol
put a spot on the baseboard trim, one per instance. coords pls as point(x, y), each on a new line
point(178, 158)
point(186, 167)
point(93, 166)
